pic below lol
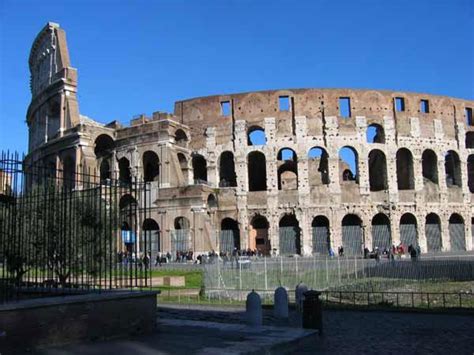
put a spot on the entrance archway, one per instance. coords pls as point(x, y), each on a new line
point(290, 235)
point(258, 235)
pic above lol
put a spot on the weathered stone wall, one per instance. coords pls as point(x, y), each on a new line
point(62, 320)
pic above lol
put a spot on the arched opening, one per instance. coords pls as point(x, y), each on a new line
point(229, 235)
point(429, 166)
point(257, 171)
point(125, 177)
point(128, 236)
point(321, 239)
point(256, 136)
point(377, 171)
point(151, 166)
point(381, 235)
point(470, 140)
point(180, 138)
point(103, 145)
point(349, 162)
point(180, 236)
point(375, 133)
point(104, 171)
point(287, 169)
point(69, 172)
point(457, 236)
point(128, 212)
point(352, 236)
point(183, 165)
point(199, 169)
point(452, 167)
point(211, 201)
point(151, 241)
point(408, 230)
point(318, 166)
point(290, 236)
point(227, 176)
point(258, 236)
point(405, 174)
point(433, 232)
point(470, 172)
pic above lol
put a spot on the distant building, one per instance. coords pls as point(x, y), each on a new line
point(263, 170)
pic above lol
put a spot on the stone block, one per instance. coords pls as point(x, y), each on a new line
point(175, 281)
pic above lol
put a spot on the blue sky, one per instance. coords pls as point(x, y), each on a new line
point(141, 56)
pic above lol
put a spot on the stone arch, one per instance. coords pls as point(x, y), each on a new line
point(452, 168)
point(258, 235)
point(457, 235)
point(429, 162)
point(151, 166)
point(405, 172)
point(318, 166)
point(375, 133)
point(321, 235)
point(180, 138)
point(180, 236)
point(229, 235)
point(408, 230)
point(212, 201)
point(381, 235)
point(470, 172)
point(290, 235)
point(103, 145)
point(199, 169)
point(256, 136)
point(352, 234)
point(433, 233)
point(257, 171)
point(151, 243)
point(125, 176)
point(287, 169)
point(377, 171)
point(104, 171)
point(227, 175)
point(349, 158)
point(128, 206)
point(469, 140)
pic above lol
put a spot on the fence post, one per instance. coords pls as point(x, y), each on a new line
point(355, 266)
point(240, 277)
point(265, 265)
point(339, 269)
point(327, 271)
point(460, 300)
point(218, 274)
point(281, 268)
point(296, 268)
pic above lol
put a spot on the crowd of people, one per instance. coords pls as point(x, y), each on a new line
point(144, 259)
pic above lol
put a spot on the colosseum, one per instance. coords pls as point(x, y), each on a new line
point(294, 171)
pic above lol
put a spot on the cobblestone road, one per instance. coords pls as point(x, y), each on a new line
point(368, 332)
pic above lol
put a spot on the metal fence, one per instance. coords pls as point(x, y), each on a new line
point(63, 230)
point(345, 274)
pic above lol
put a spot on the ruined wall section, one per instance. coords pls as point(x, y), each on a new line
point(314, 120)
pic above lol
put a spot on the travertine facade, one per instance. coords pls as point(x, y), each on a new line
point(411, 178)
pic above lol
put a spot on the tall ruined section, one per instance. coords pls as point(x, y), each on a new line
point(53, 109)
point(294, 171)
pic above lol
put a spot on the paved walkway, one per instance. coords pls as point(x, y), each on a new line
point(202, 330)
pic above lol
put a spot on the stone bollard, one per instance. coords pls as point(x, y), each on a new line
point(301, 288)
point(253, 309)
point(280, 301)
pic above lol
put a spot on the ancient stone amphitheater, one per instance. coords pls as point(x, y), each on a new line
point(295, 171)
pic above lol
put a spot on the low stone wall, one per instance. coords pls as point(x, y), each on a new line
point(35, 323)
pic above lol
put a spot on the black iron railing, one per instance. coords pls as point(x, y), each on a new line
point(67, 230)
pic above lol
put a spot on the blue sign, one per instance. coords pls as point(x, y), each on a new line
point(128, 237)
